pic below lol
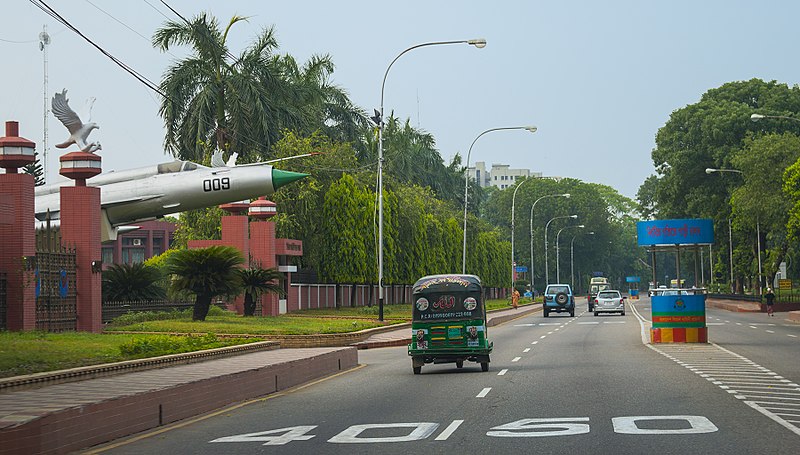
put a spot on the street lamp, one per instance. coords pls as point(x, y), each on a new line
point(529, 128)
point(558, 267)
point(566, 195)
point(571, 263)
point(546, 226)
point(709, 170)
point(479, 43)
point(757, 117)
point(513, 201)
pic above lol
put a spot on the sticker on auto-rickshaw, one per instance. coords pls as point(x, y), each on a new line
point(472, 335)
point(443, 280)
point(419, 338)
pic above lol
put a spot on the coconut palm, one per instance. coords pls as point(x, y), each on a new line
point(205, 272)
point(132, 282)
point(241, 104)
point(256, 282)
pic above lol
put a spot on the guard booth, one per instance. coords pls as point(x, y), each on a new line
point(633, 286)
point(678, 313)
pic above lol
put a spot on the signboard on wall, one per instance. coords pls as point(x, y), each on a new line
point(785, 285)
point(675, 232)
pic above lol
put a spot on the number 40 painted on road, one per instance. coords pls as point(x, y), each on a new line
point(523, 428)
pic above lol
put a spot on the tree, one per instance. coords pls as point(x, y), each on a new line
point(256, 282)
point(205, 272)
point(132, 282)
point(35, 169)
point(242, 104)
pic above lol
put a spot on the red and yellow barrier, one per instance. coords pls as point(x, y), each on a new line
point(679, 335)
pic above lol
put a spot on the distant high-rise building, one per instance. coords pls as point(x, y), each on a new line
point(501, 175)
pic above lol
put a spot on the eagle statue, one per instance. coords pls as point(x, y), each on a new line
point(79, 131)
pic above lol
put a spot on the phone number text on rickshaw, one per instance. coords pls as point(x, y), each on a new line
point(456, 314)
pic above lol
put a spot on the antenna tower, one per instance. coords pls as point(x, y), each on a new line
point(44, 41)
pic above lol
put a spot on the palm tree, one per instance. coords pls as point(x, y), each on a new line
point(205, 272)
point(132, 282)
point(241, 104)
point(255, 282)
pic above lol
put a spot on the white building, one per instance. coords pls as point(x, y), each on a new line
point(501, 175)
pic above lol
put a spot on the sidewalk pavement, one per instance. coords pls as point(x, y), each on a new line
point(62, 418)
point(750, 307)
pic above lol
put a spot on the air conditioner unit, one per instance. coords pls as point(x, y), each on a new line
point(137, 242)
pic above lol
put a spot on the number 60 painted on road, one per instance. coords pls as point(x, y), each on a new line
point(523, 428)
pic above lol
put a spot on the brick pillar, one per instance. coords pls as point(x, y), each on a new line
point(18, 239)
point(236, 234)
point(17, 229)
point(80, 228)
point(262, 250)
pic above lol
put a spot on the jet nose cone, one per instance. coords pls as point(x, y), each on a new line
point(281, 178)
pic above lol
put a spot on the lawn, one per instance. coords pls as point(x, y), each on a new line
point(33, 352)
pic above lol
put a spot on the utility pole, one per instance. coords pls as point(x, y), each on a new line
point(44, 41)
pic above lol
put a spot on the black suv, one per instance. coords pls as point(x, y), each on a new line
point(558, 298)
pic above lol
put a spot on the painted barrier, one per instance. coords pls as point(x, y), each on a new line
point(679, 318)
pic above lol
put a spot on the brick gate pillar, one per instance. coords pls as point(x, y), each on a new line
point(80, 228)
point(17, 229)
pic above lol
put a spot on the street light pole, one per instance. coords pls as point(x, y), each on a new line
point(546, 266)
point(558, 266)
point(529, 128)
point(513, 201)
point(709, 170)
point(571, 263)
point(479, 43)
point(566, 195)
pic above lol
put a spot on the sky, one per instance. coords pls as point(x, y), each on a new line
point(597, 78)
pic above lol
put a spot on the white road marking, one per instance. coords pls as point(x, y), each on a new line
point(549, 323)
point(793, 336)
point(535, 342)
point(516, 359)
point(614, 322)
point(715, 323)
point(543, 336)
point(524, 325)
point(589, 322)
point(770, 331)
point(503, 372)
point(549, 333)
point(484, 392)
point(449, 430)
point(526, 350)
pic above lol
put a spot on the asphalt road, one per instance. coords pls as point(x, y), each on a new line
point(555, 385)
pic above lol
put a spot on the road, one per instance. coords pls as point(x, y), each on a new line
point(555, 385)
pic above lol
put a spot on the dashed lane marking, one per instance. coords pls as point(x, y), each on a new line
point(526, 350)
point(516, 359)
point(484, 392)
point(503, 372)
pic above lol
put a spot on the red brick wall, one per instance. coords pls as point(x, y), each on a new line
point(18, 239)
point(80, 228)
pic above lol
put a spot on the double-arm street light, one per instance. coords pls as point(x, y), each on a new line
point(479, 43)
point(558, 266)
point(566, 195)
point(757, 117)
point(571, 261)
point(546, 226)
point(758, 221)
point(529, 128)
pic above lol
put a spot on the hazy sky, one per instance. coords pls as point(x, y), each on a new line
point(598, 78)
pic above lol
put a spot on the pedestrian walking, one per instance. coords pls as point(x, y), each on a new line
point(515, 298)
point(770, 296)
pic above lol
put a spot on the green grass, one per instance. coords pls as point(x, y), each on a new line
point(32, 352)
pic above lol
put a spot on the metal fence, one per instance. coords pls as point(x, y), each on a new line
point(55, 274)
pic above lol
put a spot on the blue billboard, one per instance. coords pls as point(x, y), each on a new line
point(675, 232)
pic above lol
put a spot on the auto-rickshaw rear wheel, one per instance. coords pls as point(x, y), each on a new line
point(460, 363)
point(484, 366)
point(417, 370)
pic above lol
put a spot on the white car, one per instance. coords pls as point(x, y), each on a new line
point(609, 302)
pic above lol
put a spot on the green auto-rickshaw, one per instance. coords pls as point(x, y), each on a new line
point(449, 322)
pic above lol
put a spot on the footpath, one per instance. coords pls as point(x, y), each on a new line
point(64, 411)
point(751, 307)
